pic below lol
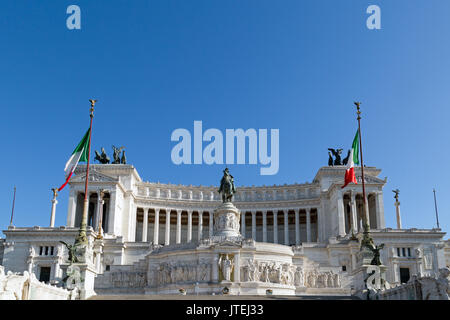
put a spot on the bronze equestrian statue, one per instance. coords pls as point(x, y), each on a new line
point(227, 188)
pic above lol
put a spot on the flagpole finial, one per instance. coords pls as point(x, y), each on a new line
point(92, 101)
point(358, 112)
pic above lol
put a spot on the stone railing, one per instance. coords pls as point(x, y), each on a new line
point(420, 288)
point(243, 194)
point(16, 286)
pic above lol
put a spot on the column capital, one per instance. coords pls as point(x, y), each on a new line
point(179, 211)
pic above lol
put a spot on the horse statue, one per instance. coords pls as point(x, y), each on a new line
point(102, 158)
point(227, 188)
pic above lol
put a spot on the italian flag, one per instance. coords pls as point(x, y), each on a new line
point(352, 160)
point(79, 154)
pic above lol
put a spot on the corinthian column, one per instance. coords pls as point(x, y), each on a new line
point(353, 212)
point(200, 225)
point(275, 226)
point(286, 227)
point(189, 232)
point(167, 239)
point(254, 225)
point(178, 238)
point(243, 224)
point(265, 226)
point(340, 215)
point(211, 224)
point(145, 225)
point(156, 227)
point(308, 225)
point(297, 227)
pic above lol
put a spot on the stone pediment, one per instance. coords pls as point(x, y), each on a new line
point(94, 176)
point(371, 179)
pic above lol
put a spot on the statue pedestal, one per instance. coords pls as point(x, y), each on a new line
point(226, 221)
point(82, 273)
point(369, 279)
point(83, 277)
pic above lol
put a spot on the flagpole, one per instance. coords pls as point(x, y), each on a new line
point(435, 208)
point(365, 218)
point(12, 211)
point(81, 238)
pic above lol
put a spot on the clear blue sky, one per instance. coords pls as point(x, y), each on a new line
point(159, 65)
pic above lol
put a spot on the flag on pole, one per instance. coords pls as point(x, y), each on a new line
point(353, 159)
point(79, 154)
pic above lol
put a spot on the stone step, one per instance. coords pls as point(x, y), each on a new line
point(218, 297)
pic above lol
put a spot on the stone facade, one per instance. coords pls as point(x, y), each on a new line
point(291, 239)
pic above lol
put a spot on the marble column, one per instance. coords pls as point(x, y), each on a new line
point(381, 224)
point(189, 231)
point(275, 226)
point(156, 227)
point(53, 213)
point(264, 226)
point(254, 225)
point(297, 227)
point(97, 211)
point(167, 234)
point(243, 224)
point(397, 212)
point(354, 215)
point(145, 225)
point(211, 224)
point(200, 225)
point(73, 196)
point(286, 226)
point(308, 225)
point(178, 237)
point(319, 224)
point(340, 215)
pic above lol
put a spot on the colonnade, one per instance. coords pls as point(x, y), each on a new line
point(291, 223)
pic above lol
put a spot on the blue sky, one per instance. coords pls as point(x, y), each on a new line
point(156, 66)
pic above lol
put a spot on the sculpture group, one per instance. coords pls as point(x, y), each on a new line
point(117, 159)
point(337, 157)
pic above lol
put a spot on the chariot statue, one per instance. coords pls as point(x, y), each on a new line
point(103, 157)
point(337, 156)
point(227, 188)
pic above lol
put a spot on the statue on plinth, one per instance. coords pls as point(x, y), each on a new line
point(227, 188)
point(396, 191)
point(72, 252)
point(376, 261)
